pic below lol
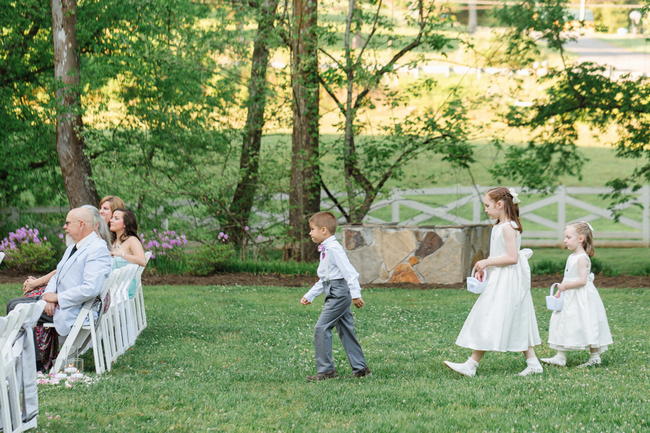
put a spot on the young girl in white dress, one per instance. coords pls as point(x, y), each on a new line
point(582, 323)
point(503, 317)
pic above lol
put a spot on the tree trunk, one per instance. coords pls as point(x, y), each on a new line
point(472, 19)
point(75, 166)
point(304, 196)
point(244, 197)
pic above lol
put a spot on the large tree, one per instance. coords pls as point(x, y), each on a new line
point(243, 199)
point(304, 195)
point(75, 167)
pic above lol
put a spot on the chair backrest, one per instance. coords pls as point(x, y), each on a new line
point(11, 324)
point(138, 275)
point(120, 280)
point(117, 279)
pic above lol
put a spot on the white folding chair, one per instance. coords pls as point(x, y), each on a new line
point(2, 256)
point(104, 334)
point(137, 302)
point(116, 316)
point(18, 394)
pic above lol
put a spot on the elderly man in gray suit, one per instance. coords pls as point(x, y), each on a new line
point(80, 274)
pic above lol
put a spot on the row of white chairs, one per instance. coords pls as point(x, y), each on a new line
point(18, 393)
point(114, 329)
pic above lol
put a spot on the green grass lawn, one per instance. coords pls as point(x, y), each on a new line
point(234, 359)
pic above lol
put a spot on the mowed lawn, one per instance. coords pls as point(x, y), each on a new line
point(234, 359)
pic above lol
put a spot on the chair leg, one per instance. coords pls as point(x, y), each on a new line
point(4, 401)
point(98, 354)
point(14, 400)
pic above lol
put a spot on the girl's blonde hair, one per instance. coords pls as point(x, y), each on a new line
point(511, 208)
point(583, 229)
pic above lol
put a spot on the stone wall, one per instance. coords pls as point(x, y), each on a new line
point(399, 254)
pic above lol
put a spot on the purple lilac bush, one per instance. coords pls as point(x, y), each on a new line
point(22, 236)
point(27, 251)
point(162, 243)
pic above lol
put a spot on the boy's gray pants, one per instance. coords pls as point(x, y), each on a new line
point(336, 312)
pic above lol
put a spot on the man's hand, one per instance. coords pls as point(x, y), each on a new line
point(358, 302)
point(49, 308)
point(50, 297)
point(304, 301)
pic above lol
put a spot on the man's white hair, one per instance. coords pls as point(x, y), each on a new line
point(98, 223)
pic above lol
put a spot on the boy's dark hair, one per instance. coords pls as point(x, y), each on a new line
point(324, 219)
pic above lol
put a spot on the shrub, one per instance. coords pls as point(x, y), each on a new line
point(210, 258)
point(598, 267)
point(27, 252)
point(271, 267)
point(162, 243)
point(168, 250)
point(544, 267)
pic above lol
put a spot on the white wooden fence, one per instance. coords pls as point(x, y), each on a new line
point(546, 231)
point(544, 216)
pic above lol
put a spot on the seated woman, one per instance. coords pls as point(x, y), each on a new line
point(127, 247)
point(107, 206)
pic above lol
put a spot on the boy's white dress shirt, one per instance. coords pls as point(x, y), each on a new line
point(334, 264)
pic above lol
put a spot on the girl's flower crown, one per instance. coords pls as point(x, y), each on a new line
point(515, 196)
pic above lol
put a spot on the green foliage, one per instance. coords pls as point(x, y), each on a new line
point(31, 257)
point(545, 267)
point(270, 267)
point(599, 267)
point(209, 258)
point(575, 94)
point(174, 262)
point(360, 73)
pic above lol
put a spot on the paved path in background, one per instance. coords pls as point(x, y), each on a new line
point(595, 50)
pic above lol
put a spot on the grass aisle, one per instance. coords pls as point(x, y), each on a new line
point(234, 359)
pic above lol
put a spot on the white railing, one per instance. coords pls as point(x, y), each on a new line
point(546, 225)
point(544, 216)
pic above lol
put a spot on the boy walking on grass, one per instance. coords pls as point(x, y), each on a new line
point(340, 282)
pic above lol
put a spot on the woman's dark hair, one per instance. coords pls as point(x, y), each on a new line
point(130, 225)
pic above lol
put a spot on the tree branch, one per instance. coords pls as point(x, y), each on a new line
point(370, 35)
point(331, 57)
point(330, 92)
point(331, 196)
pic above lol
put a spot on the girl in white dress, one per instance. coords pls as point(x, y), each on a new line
point(503, 317)
point(582, 323)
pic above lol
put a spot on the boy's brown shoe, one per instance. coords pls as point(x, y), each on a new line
point(322, 376)
point(365, 371)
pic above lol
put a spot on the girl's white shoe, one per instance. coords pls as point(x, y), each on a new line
point(531, 370)
point(590, 363)
point(555, 360)
point(467, 368)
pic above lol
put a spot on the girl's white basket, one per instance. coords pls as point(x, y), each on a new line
point(553, 303)
point(474, 285)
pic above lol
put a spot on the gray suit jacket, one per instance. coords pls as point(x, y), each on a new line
point(78, 279)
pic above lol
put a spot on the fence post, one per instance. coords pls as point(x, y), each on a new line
point(476, 210)
point(645, 220)
point(561, 212)
point(394, 208)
